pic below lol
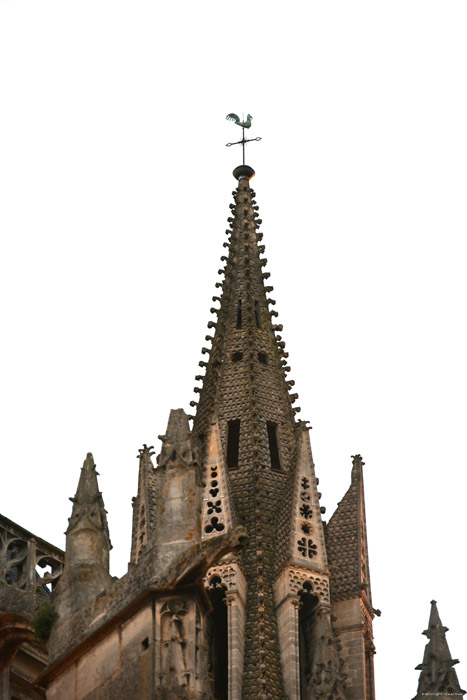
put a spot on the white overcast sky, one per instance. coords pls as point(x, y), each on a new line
point(114, 191)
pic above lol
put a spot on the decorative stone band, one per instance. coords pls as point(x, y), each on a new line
point(230, 575)
point(293, 580)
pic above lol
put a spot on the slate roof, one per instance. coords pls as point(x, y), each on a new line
point(346, 541)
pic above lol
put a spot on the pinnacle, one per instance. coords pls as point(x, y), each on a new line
point(88, 502)
point(437, 675)
point(177, 443)
point(434, 623)
point(88, 489)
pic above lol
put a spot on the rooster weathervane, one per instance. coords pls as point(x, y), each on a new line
point(245, 125)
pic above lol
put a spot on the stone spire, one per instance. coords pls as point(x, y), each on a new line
point(437, 675)
point(86, 570)
point(144, 505)
point(88, 513)
point(245, 388)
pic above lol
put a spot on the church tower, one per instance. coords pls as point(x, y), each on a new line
point(236, 588)
point(279, 638)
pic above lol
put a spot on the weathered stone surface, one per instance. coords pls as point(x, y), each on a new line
point(86, 572)
point(228, 593)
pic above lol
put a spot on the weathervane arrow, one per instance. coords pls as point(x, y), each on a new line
point(245, 125)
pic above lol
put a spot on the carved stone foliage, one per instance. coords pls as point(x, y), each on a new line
point(26, 562)
point(226, 575)
point(302, 580)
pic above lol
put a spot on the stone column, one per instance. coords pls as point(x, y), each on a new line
point(236, 633)
point(287, 622)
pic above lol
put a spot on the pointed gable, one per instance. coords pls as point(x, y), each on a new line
point(346, 541)
point(300, 528)
point(217, 514)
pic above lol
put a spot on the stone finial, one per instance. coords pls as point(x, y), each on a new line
point(357, 467)
point(437, 675)
point(144, 504)
point(177, 444)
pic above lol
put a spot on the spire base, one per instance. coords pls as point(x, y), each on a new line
point(243, 172)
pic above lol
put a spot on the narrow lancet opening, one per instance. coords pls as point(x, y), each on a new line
point(306, 642)
point(239, 314)
point(273, 446)
point(257, 315)
point(233, 443)
point(218, 639)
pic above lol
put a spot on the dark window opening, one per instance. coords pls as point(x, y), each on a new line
point(145, 644)
point(257, 315)
point(202, 442)
point(263, 358)
point(273, 446)
point(218, 640)
point(236, 356)
point(239, 314)
point(233, 443)
point(306, 623)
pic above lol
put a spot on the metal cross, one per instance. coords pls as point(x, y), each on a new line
point(247, 124)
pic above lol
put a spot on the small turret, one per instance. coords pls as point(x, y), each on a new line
point(178, 489)
point(144, 505)
point(86, 570)
point(437, 675)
